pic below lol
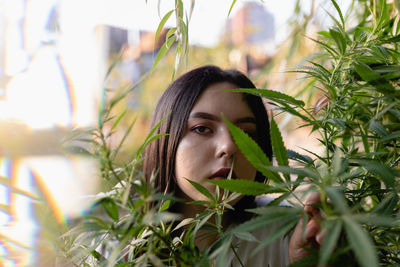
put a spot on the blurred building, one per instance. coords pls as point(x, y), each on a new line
point(138, 50)
point(251, 33)
point(139, 45)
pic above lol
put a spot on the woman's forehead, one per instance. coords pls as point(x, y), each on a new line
point(215, 99)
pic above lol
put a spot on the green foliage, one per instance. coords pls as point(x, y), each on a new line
point(357, 121)
point(360, 169)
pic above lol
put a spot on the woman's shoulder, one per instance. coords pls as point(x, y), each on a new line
point(262, 201)
point(274, 254)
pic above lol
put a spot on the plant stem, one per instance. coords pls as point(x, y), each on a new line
point(237, 256)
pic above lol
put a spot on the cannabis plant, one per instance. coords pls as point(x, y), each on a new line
point(358, 122)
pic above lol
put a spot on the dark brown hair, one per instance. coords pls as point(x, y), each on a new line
point(175, 106)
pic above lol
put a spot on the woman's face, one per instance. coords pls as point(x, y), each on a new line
point(207, 150)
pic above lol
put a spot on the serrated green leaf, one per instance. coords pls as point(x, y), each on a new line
point(387, 205)
point(91, 226)
point(375, 220)
point(338, 200)
point(305, 172)
point(246, 187)
point(312, 71)
point(280, 231)
point(360, 243)
point(252, 152)
point(378, 128)
point(352, 174)
point(383, 69)
point(383, 170)
point(293, 155)
point(279, 201)
point(270, 216)
point(199, 202)
point(164, 216)
point(365, 71)
point(324, 72)
point(98, 256)
point(339, 12)
point(329, 49)
point(201, 189)
point(278, 146)
point(218, 248)
point(276, 211)
point(339, 122)
point(289, 109)
point(270, 94)
point(339, 39)
point(201, 223)
point(77, 150)
point(246, 236)
point(389, 137)
point(184, 222)
point(333, 229)
point(324, 33)
point(364, 139)
point(164, 197)
point(165, 205)
point(337, 163)
point(110, 207)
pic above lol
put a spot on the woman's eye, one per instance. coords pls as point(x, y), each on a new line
point(201, 129)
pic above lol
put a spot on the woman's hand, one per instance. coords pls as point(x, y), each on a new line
point(313, 237)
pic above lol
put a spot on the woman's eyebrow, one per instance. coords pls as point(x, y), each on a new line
point(208, 116)
point(204, 115)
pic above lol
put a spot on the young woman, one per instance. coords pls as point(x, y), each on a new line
point(199, 147)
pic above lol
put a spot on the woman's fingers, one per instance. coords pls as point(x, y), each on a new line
point(320, 236)
point(297, 243)
point(311, 205)
point(312, 229)
point(313, 235)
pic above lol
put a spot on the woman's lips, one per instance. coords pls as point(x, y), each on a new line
point(218, 178)
point(222, 173)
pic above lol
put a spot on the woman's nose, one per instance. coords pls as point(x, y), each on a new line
point(226, 147)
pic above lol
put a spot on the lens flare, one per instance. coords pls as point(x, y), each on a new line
point(35, 184)
point(68, 86)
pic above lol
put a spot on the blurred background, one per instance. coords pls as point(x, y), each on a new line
point(54, 57)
